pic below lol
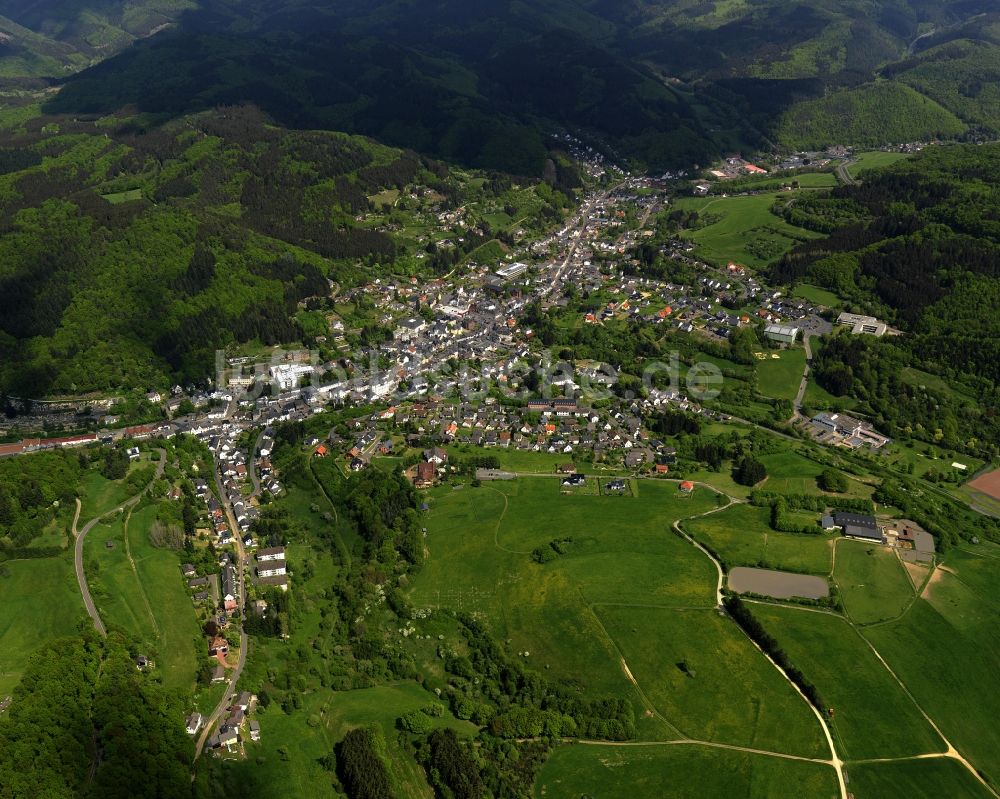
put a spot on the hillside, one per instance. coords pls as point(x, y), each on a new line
point(867, 116)
point(130, 255)
point(917, 244)
point(660, 84)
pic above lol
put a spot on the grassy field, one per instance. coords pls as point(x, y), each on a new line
point(617, 550)
point(40, 601)
point(118, 197)
point(873, 717)
point(816, 295)
point(695, 772)
point(873, 583)
point(915, 779)
point(780, 377)
point(286, 761)
point(707, 679)
point(946, 650)
point(515, 460)
point(99, 495)
point(875, 160)
point(742, 536)
point(791, 473)
point(742, 229)
point(146, 596)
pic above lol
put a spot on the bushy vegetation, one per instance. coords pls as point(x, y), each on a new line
point(77, 688)
point(29, 487)
point(361, 767)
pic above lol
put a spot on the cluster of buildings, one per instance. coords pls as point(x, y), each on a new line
point(842, 430)
point(913, 542)
point(236, 726)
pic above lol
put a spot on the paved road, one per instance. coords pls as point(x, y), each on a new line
point(252, 463)
point(797, 406)
point(844, 175)
point(81, 577)
point(241, 660)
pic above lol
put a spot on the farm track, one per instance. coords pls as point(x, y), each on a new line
point(81, 535)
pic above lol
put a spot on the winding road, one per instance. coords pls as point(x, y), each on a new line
point(81, 577)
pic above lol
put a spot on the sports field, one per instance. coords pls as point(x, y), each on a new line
point(988, 483)
point(780, 373)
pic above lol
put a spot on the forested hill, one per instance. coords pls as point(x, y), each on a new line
point(128, 255)
point(659, 83)
point(919, 245)
point(479, 83)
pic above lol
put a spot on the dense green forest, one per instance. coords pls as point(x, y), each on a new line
point(482, 83)
point(31, 489)
point(919, 245)
point(84, 695)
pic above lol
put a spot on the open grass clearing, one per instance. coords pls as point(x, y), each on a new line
point(742, 229)
point(616, 550)
point(149, 599)
point(742, 536)
point(779, 377)
point(690, 771)
point(873, 716)
point(40, 601)
point(873, 583)
point(705, 676)
point(875, 159)
point(816, 295)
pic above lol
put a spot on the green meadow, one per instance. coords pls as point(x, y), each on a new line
point(946, 649)
point(873, 717)
point(872, 581)
point(144, 594)
point(680, 770)
point(616, 551)
point(40, 601)
point(742, 536)
point(705, 677)
point(742, 229)
point(915, 779)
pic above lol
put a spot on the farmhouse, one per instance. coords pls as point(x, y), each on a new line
point(858, 525)
point(687, 486)
point(425, 475)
